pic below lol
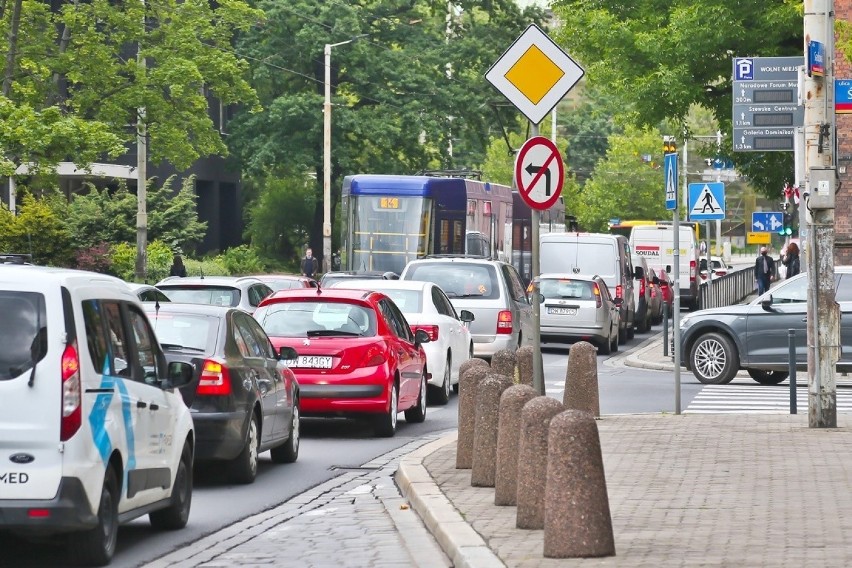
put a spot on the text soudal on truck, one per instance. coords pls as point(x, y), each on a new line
point(656, 244)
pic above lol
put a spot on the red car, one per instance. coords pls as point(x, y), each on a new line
point(357, 355)
point(286, 281)
point(665, 287)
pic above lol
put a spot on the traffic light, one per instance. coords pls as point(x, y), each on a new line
point(669, 145)
point(787, 225)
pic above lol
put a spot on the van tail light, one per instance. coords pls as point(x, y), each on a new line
point(504, 322)
point(619, 291)
point(72, 410)
point(215, 379)
point(641, 286)
point(432, 330)
point(596, 290)
point(692, 271)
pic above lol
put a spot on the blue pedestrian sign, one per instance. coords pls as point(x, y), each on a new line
point(670, 169)
point(706, 201)
point(766, 221)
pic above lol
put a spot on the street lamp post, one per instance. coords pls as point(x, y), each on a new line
point(326, 150)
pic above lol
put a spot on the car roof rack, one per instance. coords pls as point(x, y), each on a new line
point(15, 258)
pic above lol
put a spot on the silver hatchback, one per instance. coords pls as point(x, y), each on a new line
point(578, 308)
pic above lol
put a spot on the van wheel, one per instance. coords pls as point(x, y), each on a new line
point(96, 546)
point(176, 514)
point(622, 335)
point(244, 468)
point(605, 347)
point(613, 343)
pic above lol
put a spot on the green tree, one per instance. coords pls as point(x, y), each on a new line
point(279, 220)
point(99, 216)
point(402, 95)
point(658, 59)
point(627, 183)
point(36, 230)
point(173, 217)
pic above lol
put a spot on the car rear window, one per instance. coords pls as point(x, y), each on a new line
point(408, 301)
point(552, 288)
point(580, 258)
point(296, 319)
point(191, 331)
point(212, 295)
point(23, 332)
point(477, 281)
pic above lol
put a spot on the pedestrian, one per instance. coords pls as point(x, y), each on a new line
point(177, 268)
point(791, 260)
point(309, 265)
point(764, 270)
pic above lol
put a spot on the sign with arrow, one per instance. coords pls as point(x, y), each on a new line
point(539, 173)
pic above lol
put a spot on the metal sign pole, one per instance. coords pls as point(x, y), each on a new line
point(538, 364)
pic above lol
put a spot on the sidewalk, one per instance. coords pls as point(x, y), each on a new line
point(689, 490)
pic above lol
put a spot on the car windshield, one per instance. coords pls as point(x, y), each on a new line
point(553, 288)
point(212, 295)
point(297, 319)
point(23, 332)
point(458, 279)
point(188, 331)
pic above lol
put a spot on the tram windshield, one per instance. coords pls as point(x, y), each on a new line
point(388, 231)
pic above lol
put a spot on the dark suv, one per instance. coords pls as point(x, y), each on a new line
point(491, 289)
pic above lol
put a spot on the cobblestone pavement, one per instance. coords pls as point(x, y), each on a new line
point(697, 490)
point(358, 519)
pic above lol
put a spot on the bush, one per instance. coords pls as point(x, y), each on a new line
point(97, 258)
point(205, 267)
point(241, 259)
point(159, 260)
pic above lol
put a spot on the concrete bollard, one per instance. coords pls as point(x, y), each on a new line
point(512, 402)
point(468, 385)
point(503, 363)
point(581, 379)
point(577, 520)
point(469, 364)
point(532, 460)
point(488, 394)
point(525, 365)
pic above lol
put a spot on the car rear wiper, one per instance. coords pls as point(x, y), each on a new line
point(331, 332)
point(176, 347)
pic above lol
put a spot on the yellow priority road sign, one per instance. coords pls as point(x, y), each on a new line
point(534, 74)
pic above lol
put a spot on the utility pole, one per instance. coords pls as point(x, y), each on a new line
point(141, 173)
point(823, 321)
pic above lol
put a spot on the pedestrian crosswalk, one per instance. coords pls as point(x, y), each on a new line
point(744, 396)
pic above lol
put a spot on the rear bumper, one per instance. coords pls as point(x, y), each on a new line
point(366, 392)
point(550, 334)
point(68, 511)
point(485, 346)
point(219, 435)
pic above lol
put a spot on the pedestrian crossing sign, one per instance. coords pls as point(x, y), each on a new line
point(706, 201)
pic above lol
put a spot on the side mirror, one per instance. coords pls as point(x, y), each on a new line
point(466, 316)
point(287, 354)
point(179, 374)
point(618, 301)
point(656, 280)
point(669, 268)
point(420, 337)
point(638, 273)
point(766, 303)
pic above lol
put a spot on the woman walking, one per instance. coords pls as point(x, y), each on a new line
point(791, 260)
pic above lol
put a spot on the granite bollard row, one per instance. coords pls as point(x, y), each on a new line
point(503, 363)
point(532, 460)
point(488, 396)
point(512, 402)
point(581, 379)
point(468, 385)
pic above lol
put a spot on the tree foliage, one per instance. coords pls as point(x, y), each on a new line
point(402, 96)
point(279, 220)
point(659, 59)
point(36, 230)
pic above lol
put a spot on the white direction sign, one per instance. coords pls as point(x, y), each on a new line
point(534, 74)
point(706, 201)
point(539, 172)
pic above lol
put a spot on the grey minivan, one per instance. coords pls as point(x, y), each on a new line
point(491, 289)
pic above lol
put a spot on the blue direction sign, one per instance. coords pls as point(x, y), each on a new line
point(766, 221)
point(706, 201)
point(670, 169)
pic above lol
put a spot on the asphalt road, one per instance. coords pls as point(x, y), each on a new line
point(334, 445)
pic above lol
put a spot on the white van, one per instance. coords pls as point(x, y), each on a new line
point(590, 254)
point(656, 244)
point(93, 431)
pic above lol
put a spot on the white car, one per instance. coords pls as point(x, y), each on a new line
point(94, 431)
point(426, 307)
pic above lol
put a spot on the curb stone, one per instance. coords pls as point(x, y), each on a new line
point(462, 544)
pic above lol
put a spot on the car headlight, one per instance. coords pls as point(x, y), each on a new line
point(685, 321)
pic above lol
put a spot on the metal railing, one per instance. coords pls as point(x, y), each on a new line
point(726, 290)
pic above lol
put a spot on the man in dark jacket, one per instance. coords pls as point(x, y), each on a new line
point(310, 266)
point(764, 270)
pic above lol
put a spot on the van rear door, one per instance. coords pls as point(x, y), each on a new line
point(32, 333)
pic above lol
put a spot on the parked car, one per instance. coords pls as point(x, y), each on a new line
point(655, 307)
point(357, 355)
point(330, 278)
point(717, 342)
point(148, 293)
point(666, 287)
point(243, 398)
point(578, 308)
point(641, 294)
point(286, 281)
point(426, 307)
point(604, 255)
point(717, 264)
point(242, 292)
point(490, 289)
point(94, 432)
